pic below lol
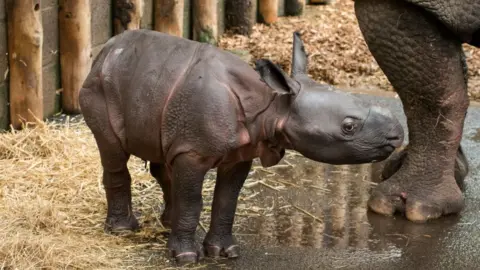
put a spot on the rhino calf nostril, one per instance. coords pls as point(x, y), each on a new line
point(396, 141)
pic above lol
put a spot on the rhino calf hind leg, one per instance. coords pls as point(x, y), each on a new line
point(219, 240)
point(116, 177)
point(188, 173)
point(160, 173)
point(424, 63)
point(119, 200)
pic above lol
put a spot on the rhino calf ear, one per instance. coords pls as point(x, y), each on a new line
point(275, 78)
point(299, 56)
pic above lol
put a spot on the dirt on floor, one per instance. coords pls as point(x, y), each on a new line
point(338, 54)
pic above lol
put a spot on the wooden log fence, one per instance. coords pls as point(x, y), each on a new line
point(169, 16)
point(81, 34)
point(75, 49)
point(25, 40)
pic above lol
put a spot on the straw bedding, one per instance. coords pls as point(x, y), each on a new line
point(53, 206)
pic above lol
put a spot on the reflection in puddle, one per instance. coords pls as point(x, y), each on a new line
point(476, 137)
point(322, 206)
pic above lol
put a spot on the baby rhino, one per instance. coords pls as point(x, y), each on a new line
point(188, 107)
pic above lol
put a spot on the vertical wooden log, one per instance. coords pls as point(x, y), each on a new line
point(75, 49)
point(169, 17)
point(25, 42)
point(240, 16)
point(205, 27)
point(127, 15)
point(294, 7)
point(268, 11)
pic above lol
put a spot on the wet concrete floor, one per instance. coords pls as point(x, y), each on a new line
point(320, 221)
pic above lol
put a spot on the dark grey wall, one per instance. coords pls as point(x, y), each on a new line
point(51, 60)
point(147, 19)
point(281, 8)
point(101, 24)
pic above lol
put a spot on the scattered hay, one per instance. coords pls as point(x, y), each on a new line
point(52, 203)
point(53, 206)
point(338, 54)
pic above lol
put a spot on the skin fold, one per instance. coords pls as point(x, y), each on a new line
point(418, 45)
point(188, 107)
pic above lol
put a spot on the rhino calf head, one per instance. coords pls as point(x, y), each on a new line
point(325, 125)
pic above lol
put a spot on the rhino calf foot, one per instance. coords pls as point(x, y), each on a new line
point(118, 225)
point(183, 250)
point(419, 202)
point(224, 246)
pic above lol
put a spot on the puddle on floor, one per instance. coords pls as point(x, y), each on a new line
point(324, 207)
point(476, 137)
point(321, 206)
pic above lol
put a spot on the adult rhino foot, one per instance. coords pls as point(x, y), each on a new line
point(119, 225)
point(224, 246)
point(395, 162)
point(184, 251)
point(419, 202)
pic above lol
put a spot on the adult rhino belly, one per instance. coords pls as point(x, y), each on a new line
point(157, 68)
point(460, 17)
point(476, 39)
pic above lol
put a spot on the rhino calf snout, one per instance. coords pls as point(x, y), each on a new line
point(396, 136)
point(381, 118)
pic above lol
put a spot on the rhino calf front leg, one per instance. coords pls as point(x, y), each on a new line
point(219, 240)
point(160, 173)
point(188, 174)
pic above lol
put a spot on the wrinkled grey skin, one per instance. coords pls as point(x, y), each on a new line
point(418, 45)
point(188, 107)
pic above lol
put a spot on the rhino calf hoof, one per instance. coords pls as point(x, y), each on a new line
point(221, 246)
point(185, 258)
point(121, 225)
point(230, 252)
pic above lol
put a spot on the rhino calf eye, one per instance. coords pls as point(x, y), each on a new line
point(348, 126)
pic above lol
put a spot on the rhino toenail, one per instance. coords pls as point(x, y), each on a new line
point(186, 253)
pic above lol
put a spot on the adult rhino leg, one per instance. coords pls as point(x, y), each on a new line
point(395, 161)
point(423, 61)
point(160, 173)
point(219, 240)
point(188, 174)
point(116, 177)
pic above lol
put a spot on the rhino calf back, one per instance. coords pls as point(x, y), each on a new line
point(164, 96)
